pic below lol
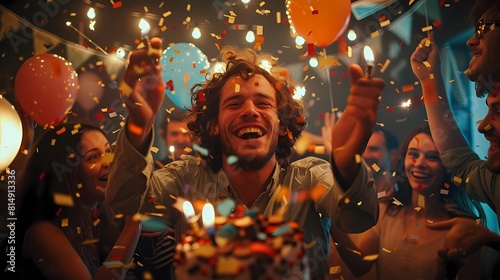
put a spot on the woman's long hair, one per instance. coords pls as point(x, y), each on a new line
point(51, 192)
point(455, 200)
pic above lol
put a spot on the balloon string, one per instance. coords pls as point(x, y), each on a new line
point(328, 79)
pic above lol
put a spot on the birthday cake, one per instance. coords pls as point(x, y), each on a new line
point(250, 246)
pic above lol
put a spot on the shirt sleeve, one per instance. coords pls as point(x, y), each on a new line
point(358, 207)
point(469, 171)
point(354, 210)
point(128, 177)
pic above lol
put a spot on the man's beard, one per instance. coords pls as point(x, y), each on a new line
point(252, 163)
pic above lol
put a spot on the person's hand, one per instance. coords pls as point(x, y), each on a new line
point(353, 129)
point(143, 88)
point(326, 130)
point(425, 59)
point(465, 237)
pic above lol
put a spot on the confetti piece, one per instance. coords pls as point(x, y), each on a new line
point(421, 201)
point(107, 157)
point(317, 192)
point(427, 28)
point(457, 179)
point(63, 199)
point(384, 67)
point(370, 258)
point(232, 159)
point(385, 23)
point(200, 149)
point(335, 269)
point(408, 88)
point(375, 167)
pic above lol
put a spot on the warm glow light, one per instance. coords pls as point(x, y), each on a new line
point(219, 67)
point(406, 104)
point(313, 62)
point(208, 216)
point(91, 13)
point(351, 35)
point(11, 133)
point(188, 210)
point(144, 26)
point(299, 40)
point(299, 93)
point(245, 1)
point(171, 149)
point(266, 65)
point(120, 52)
point(250, 36)
point(196, 33)
point(369, 58)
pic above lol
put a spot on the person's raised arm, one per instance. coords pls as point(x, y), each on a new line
point(359, 258)
point(353, 129)
point(143, 89)
point(65, 263)
point(426, 65)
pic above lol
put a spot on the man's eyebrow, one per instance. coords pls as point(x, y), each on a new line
point(232, 97)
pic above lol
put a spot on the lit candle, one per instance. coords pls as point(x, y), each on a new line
point(188, 210)
point(145, 28)
point(208, 216)
point(370, 61)
point(172, 152)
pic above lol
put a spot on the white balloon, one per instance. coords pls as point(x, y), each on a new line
point(11, 133)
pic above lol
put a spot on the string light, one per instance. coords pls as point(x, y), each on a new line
point(299, 40)
point(250, 36)
point(313, 62)
point(196, 33)
point(351, 35)
point(299, 93)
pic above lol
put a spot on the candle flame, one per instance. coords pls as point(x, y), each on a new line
point(144, 26)
point(208, 215)
point(369, 58)
point(188, 209)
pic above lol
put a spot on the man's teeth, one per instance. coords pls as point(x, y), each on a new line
point(250, 130)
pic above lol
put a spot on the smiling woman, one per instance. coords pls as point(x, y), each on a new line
point(63, 211)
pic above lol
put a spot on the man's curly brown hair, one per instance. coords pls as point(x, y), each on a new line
point(205, 99)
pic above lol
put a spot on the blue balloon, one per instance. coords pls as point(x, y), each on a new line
point(184, 65)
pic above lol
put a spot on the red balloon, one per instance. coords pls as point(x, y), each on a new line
point(46, 87)
point(319, 22)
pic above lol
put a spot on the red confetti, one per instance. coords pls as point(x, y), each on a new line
point(389, 109)
point(170, 85)
point(117, 4)
point(310, 50)
point(420, 187)
point(315, 12)
point(99, 116)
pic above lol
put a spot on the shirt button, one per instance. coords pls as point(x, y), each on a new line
point(233, 210)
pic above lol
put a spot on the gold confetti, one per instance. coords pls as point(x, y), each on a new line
point(427, 28)
point(457, 179)
point(309, 245)
point(421, 201)
point(375, 167)
point(335, 269)
point(370, 258)
point(385, 23)
point(63, 199)
point(64, 222)
point(107, 157)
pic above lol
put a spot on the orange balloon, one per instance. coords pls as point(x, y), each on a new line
point(319, 22)
point(46, 87)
